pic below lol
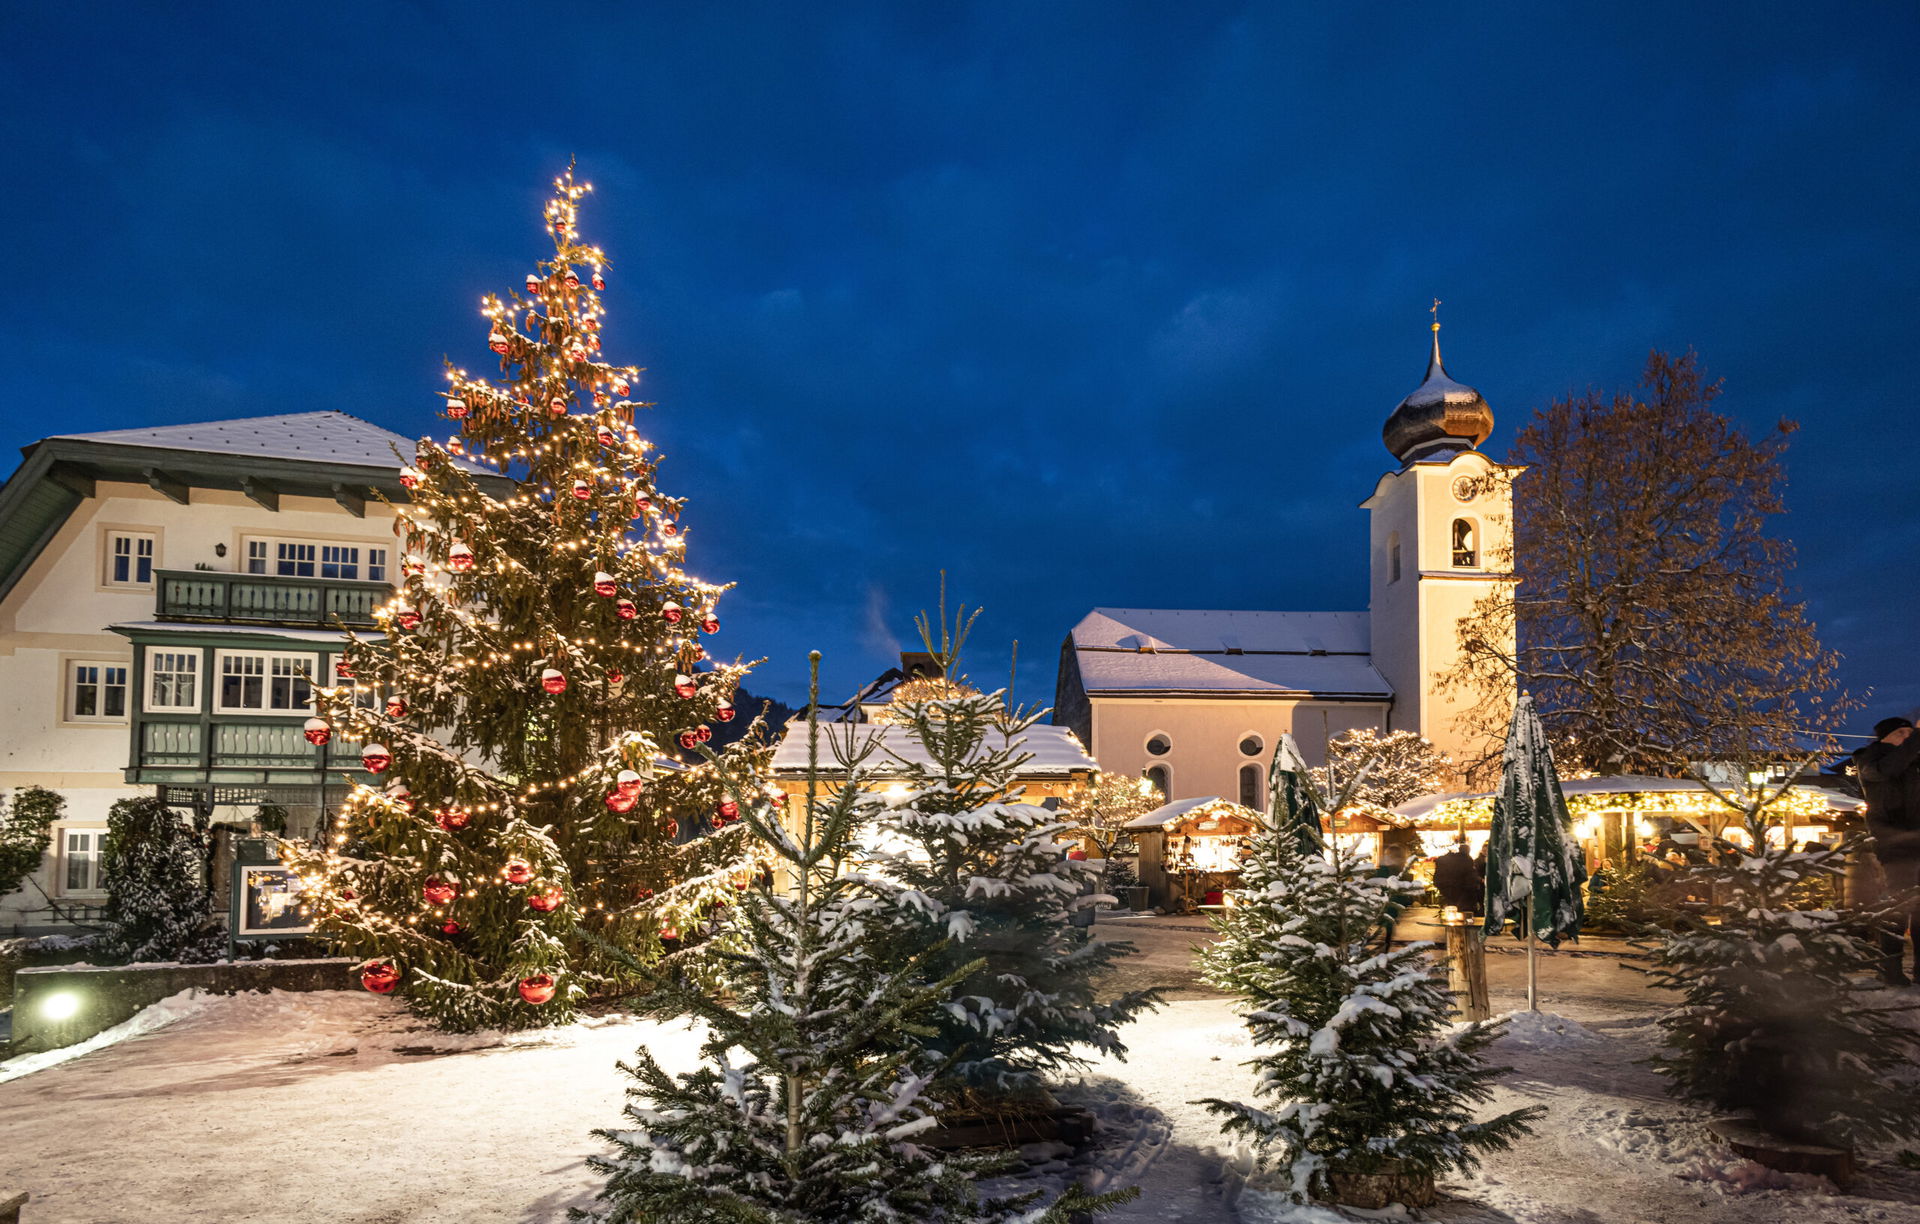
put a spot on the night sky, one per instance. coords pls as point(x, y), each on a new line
point(1087, 304)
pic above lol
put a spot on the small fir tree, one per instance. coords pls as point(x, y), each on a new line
point(818, 1121)
point(1780, 1013)
point(1099, 811)
point(1360, 1070)
point(157, 898)
point(26, 830)
point(540, 666)
point(991, 878)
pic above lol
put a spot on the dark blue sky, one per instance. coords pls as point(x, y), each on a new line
point(1086, 303)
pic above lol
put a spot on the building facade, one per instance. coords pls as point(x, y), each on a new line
point(169, 597)
point(1195, 699)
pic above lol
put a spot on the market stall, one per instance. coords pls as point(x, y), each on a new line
point(1190, 851)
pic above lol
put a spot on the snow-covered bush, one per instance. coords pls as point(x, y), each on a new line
point(157, 901)
point(1360, 1070)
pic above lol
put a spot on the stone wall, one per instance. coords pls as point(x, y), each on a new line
point(106, 995)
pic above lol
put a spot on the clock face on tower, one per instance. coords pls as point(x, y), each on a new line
point(1464, 488)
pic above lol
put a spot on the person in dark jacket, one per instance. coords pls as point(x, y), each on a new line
point(1458, 880)
point(1889, 772)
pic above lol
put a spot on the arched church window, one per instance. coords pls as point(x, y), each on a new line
point(1393, 556)
point(1466, 551)
point(1161, 779)
point(1250, 786)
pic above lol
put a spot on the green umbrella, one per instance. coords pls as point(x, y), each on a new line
point(1292, 800)
point(1534, 866)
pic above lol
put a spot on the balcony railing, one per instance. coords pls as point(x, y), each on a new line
point(262, 599)
point(178, 742)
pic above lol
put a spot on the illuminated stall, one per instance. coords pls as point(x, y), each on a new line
point(1190, 851)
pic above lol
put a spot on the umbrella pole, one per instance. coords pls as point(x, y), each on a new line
point(1533, 974)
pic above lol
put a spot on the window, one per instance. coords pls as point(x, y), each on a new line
point(129, 558)
point(1162, 779)
point(273, 683)
point(1251, 745)
point(1250, 786)
point(96, 692)
point(1464, 551)
point(317, 559)
point(1393, 556)
point(1159, 745)
point(173, 680)
point(80, 860)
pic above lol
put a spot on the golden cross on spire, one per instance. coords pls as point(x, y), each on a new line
point(1434, 310)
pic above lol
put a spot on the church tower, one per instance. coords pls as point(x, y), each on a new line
point(1440, 540)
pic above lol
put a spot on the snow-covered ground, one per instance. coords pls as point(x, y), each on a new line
point(333, 1107)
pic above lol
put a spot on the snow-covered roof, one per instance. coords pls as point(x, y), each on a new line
point(1621, 784)
point(1167, 813)
point(1055, 753)
point(323, 437)
point(1122, 650)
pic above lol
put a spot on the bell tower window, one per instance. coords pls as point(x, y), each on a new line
point(1466, 550)
point(1393, 556)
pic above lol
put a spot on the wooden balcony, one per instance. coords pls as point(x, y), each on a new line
point(261, 599)
point(198, 749)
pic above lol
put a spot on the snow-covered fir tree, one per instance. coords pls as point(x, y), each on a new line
point(1359, 1068)
point(539, 668)
point(1781, 1012)
point(809, 1108)
point(1382, 771)
point(157, 902)
point(992, 880)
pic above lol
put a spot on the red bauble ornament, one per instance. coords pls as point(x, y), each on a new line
point(399, 796)
point(724, 713)
point(380, 978)
point(1076, 855)
point(599, 281)
point(537, 989)
point(628, 782)
point(453, 819)
point(641, 505)
point(669, 529)
point(684, 686)
point(460, 557)
point(573, 279)
point(729, 809)
point(672, 612)
point(518, 871)
point(396, 706)
point(376, 758)
point(673, 831)
point(547, 900)
point(456, 447)
point(703, 733)
point(410, 478)
point(626, 609)
point(438, 891)
point(500, 342)
point(622, 388)
point(552, 680)
point(412, 566)
point(343, 669)
point(457, 409)
point(710, 624)
point(620, 801)
point(317, 731)
point(409, 618)
point(533, 283)
point(451, 928)
point(719, 821)
point(604, 585)
point(688, 740)
point(669, 935)
point(557, 406)
point(604, 436)
point(615, 678)
point(582, 490)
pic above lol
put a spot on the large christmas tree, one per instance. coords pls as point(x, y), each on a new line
point(532, 708)
point(810, 1107)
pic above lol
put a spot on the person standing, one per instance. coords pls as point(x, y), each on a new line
point(1458, 880)
point(1889, 772)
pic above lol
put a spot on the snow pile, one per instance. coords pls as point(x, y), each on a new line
point(1538, 1030)
point(173, 1008)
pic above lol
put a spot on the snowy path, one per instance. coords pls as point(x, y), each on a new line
point(330, 1108)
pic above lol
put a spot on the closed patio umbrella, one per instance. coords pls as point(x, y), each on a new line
point(1534, 867)
point(1292, 801)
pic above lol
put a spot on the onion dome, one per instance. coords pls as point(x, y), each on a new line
point(1440, 415)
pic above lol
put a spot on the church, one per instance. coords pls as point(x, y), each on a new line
point(1194, 699)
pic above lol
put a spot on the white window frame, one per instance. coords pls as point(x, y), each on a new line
point(303, 664)
point(197, 672)
point(70, 690)
point(261, 554)
point(97, 837)
point(110, 538)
